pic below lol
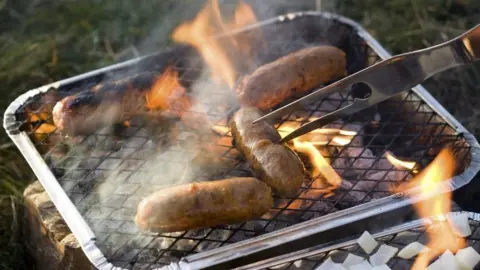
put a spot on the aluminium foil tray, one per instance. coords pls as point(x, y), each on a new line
point(281, 241)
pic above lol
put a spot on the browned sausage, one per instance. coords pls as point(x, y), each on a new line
point(204, 204)
point(274, 163)
point(114, 102)
point(295, 73)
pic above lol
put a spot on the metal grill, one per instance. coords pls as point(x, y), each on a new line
point(398, 237)
point(105, 174)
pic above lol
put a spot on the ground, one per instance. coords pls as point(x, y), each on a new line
point(42, 41)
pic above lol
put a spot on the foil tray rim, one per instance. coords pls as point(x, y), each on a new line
point(341, 243)
point(86, 237)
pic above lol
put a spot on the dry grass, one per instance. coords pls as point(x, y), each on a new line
point(42, 41)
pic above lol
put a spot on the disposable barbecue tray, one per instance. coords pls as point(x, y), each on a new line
point(96, 181)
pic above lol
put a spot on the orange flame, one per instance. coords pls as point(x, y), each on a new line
point(320, 165)
point(157, 97)
point(441, 234)
point(45, 128)
point(209, 22)
point(221, 129)
point(320, 137)
point(401, 164)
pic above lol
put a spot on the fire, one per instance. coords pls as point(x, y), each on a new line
point(43, 131)
point(401, 164)
point(320, 137)
point(45, 128)
point(221, 129)
point(158, 96)
point(209, 22)
point(320, 165)
point(441, 233)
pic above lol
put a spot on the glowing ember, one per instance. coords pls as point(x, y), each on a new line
point(441, 233)
point(158, 97)
point(45, 129)
point(209, 22)
point(42, 132)
point(400, 164)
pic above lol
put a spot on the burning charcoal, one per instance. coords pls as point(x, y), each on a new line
point(342, 166)
point(387, 181)
point(238, 236)
point(128, 228)
point(162, 243)
point(185, 244)
point(68, 186)
point(362, 158)
point(116, 240)
point(100, 212)
point(197, 234)
point(207, 245)
point(108, 225)
point(90, 199)
point(132, 202)
point(108, 250)
point(378, 184)
point(346, 196)
point(110, 164)
point(76, 197)
point(357, 140)
point(140, 241)
point(149, 255)
point(126, 254)
point(169, 257)
point(126, 189)
point(122, 214)
point(219, 235)
point(254, 227)
point(353, 161)
point(318, 209)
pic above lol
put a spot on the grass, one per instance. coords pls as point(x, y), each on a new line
point(42, 41)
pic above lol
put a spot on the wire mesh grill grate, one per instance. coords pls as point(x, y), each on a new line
point(106, 174)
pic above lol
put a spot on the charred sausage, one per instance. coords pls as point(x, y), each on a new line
point(204, 204)
point(114, 102)
point(295, 73)
point(273, 163)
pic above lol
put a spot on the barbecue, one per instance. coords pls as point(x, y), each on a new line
point(184, 138)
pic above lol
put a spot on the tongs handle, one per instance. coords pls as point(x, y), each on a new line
point(388, 78)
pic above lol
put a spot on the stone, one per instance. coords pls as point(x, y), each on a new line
point(48, 238)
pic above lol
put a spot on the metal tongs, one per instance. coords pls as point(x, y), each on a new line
point(386, 79)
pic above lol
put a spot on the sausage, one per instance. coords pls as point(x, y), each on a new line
point(273, 163)
point(292, 74)
point(114, 102)
point(204, 204)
